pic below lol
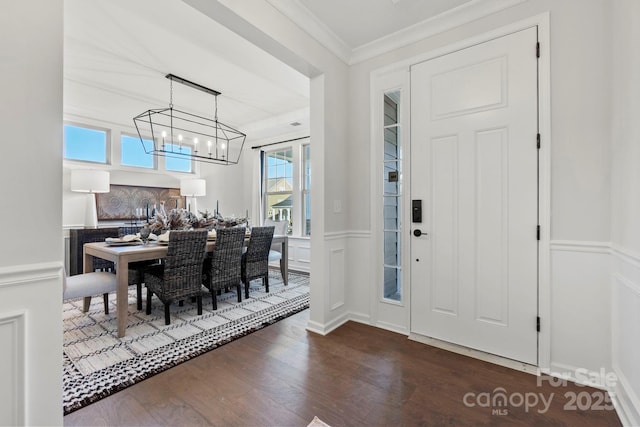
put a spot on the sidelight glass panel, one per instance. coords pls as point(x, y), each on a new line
point(392, 199)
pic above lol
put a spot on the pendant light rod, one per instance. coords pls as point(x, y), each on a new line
point(186, 82)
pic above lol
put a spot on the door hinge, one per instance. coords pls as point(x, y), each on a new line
point(538, 324)
point(538, 232)
point(538, 140)
point(538, 50)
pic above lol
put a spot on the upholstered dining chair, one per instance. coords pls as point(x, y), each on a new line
point(223, 267)
point(275, 252)
point(77, 239)
point(87, 285)
point(255, 261)
point(179, 276)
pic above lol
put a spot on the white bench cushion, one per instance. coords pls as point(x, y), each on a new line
point(274, 256)
point(88, 284)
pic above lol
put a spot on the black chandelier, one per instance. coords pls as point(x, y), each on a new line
point(178, 134)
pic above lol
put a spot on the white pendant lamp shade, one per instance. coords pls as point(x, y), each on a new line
point(193, 188)
point(90, 181)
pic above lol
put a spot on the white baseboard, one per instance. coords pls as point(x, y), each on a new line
point(324, 329)
point(625, 401)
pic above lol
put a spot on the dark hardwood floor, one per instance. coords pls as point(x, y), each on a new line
point(358, 375)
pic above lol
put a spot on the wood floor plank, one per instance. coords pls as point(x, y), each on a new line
point(358, 375)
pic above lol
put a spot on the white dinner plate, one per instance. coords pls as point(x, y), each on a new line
point(116, 243)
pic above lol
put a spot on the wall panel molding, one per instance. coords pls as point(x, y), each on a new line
point(30, 327)
point(337, 263)
point(580, 246)
point(29, 273)
point(12, 355)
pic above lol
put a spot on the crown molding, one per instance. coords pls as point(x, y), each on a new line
point(452, 18)
point(301, 16)
point(465, 13)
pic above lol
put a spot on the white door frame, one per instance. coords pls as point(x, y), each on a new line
point(542, 21)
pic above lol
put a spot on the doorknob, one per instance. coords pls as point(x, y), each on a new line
point(417, 232)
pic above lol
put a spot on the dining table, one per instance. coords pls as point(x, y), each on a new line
point(122, 255)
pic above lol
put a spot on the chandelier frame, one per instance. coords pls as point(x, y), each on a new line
point(221, 144)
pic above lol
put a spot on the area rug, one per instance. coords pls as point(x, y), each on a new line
point(96, 363)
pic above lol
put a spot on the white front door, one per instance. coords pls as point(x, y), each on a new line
point(474, 166)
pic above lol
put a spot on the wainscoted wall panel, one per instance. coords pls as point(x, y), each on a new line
point(362, 281)
point(12, 354)
point(30, 328)
point(300, 254)
point(336, 277)
point(333, 279)
point(580, 306)
point(626, 333)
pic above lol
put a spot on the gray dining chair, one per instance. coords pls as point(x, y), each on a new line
point(223, 268)
point(179, 276)
point(255, 261)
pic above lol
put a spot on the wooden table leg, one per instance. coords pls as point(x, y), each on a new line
point(87, 267)
point(284, 262)
point(122, 296)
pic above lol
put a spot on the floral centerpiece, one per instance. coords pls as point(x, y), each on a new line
point(182, 219)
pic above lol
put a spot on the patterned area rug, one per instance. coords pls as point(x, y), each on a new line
point(97, 363)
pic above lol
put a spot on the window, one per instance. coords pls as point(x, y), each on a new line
point(133, 154)
point(178, 164)
point(85, 144)
point(306, 185)
point(392, 198)
point(279, 185)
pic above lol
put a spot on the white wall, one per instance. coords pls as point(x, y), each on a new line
point(625, 204)
point(30, 211)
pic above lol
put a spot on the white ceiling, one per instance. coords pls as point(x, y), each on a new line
point(359, 22)
point(117, 53)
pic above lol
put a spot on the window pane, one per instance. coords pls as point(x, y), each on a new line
point(391, 143)
point(391, 248)
point(307, 167)
point(392, 283)
point(175, 163)
point(279, 180)
point(279, 207)
point(391, 213)
point(391, 178)
point(391, 108)
point(307, 214)
point(133, 153)
point(85, 144)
